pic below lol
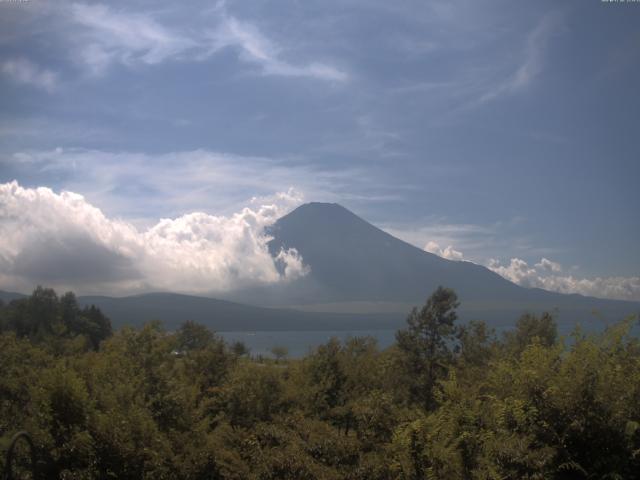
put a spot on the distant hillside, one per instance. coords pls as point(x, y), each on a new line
point(6, 297)
point(173, 309)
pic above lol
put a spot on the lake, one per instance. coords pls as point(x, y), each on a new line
point(299, 343)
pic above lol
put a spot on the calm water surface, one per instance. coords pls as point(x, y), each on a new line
point(299, 343)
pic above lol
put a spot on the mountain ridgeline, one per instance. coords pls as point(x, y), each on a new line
point(351, 260)
point(360, 278)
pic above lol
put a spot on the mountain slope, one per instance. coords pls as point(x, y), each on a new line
point(352, 260)
point(7, 297)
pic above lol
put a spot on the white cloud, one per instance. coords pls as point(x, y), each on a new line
point(472, 239)
point(125, 38)
point(549, 266)
point(532, 59)
point(541, 275)
point(142, 187)
point(256, 48)
point(518, 271)
point(432, 247)
point(60, 239)
point(131, 39)
point(449, 252)
point(23, 71)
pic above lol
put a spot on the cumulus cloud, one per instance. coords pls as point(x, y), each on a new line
point(61, 239)
point(518, 271)
point(449, 252)
point(547, 265)
point(544, 275)
point(24, 71)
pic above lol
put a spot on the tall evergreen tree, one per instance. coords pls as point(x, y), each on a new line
point(426, 344)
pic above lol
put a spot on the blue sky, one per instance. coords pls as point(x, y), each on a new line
point(503, 130)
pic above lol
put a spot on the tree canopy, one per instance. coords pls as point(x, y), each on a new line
point(446, 401)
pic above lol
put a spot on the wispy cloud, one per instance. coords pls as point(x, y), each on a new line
point(256, 48)
point(495, 73)
point(532, 60)
point(468, 237)
point(177, 182)
point(24, 71)
point(131, 39)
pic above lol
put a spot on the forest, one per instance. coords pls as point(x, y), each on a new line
point(447, 401)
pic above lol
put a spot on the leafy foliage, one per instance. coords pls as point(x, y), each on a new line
point(447, 401)
point(426, 343)
point(45, 316)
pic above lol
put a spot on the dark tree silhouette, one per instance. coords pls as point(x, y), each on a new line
point(427, 343)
